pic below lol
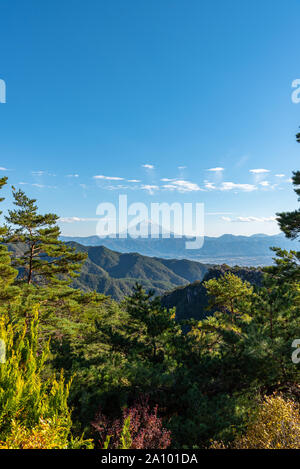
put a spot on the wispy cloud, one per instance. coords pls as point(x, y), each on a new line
point(38, 173)
point(241, 162)
point(264, 183)
point(216, 170)
point(40, 186)
point(209, 185)
point(150, 188)
point(218, 213)
point(108, 178)
point(117, 187)
point(42, 173)
point(3, 169)
point(229, 186)
point(182, 185)
point(76, 219)
point(232, 186)
point(133, 180)
point(259, 171)
point(72, 176)
point(148, 166)
point(280, 175)
point(249, 219)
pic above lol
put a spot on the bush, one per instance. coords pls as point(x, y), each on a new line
point(276, 425)
point(34, 411)
point(145, 428)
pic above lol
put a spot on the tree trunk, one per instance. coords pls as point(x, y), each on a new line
point(29, 278)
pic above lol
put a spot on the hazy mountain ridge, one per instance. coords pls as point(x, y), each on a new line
point(226, 249)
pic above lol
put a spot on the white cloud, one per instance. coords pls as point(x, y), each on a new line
point(259, 171)
point(3, 169)
point(108, 178)
point(228, 186)
point(38, 173)
point(134, 180)
point(249, 219)
point(280, 175)
point(216, 170)
point(118, 187)
point(218, 213)
point(150, 188)
point(182, 186)
point(42, 173)
point(181, 167)
point(148, 166)
point(40, 186)
point(209, 185)
point(72, 176)
point(264, 183)
point(76, 219)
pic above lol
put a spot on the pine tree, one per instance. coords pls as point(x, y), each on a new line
point(44, 258)
point(289, 222)
point(154, 319)
point(230, 293)
point(287, 263)
point(7, 272)
point(230, 298)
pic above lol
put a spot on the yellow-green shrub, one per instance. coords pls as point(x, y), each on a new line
point(276, 425)
point(33, 410)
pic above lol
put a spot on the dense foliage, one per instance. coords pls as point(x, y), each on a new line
point(157, 381)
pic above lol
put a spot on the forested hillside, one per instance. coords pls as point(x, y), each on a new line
point(115, 274)
point(192, 301)
point(81, 370)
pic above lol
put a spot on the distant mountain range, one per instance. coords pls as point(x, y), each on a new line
point(177, 278)
point(115, 273)
point(229, 249)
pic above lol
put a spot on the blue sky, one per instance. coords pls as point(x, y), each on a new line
point(152, 97)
